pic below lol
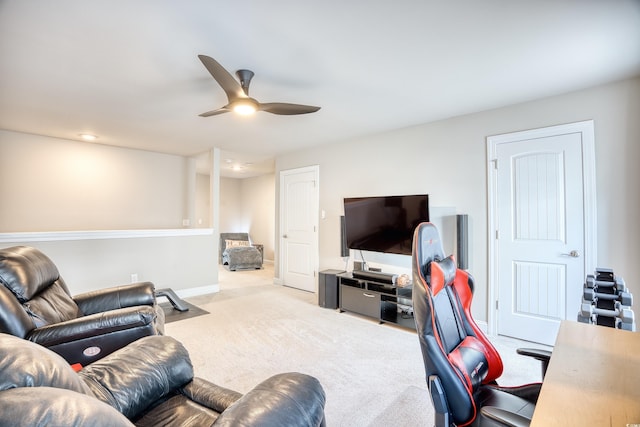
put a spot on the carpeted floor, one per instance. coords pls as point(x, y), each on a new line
point(373, 374)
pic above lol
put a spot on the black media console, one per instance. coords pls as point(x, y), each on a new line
point(376, 298)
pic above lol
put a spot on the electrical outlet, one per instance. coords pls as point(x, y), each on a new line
point(134, 277)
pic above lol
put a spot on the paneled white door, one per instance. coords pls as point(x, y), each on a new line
point(298, 227)
point(540, 233)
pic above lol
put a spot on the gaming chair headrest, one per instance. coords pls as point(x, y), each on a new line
point(427, 247)
point(427, 243)
point(442, 273)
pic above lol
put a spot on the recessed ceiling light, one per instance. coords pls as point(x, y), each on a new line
point(88, 137)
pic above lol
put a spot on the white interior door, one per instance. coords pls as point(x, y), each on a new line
point(298, 227)
point(540, 232)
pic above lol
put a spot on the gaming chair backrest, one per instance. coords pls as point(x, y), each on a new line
point(453, 347)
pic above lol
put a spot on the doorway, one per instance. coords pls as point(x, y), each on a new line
point(299, 227)
point(542, 228)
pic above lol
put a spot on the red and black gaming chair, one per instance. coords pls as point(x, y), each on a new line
point(460, 363)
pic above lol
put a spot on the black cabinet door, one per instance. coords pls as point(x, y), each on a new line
point(360, 301)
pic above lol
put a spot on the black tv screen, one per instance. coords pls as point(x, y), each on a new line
point(384, 224)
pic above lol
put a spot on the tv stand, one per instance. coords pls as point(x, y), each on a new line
point(377, 299)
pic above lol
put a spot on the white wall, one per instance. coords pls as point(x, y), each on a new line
point(447, 160)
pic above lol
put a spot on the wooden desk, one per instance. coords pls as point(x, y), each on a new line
point(593, 378)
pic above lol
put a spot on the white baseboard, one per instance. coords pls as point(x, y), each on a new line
point(200, 290)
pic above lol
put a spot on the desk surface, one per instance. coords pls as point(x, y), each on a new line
point(593, 378)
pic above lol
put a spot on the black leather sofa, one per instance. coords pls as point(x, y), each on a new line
point(150, 382)
point(35, 304)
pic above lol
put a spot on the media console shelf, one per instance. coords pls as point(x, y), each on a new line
point(375, 299)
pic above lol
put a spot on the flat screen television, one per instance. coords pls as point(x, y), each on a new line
point(384, 223)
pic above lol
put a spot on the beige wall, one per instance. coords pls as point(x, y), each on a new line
point(203, 199)
point(231, 206)
point(447, 159)
point(258, 196)
point(50, 184)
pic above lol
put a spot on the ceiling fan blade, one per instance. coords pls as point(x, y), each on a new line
point(229, 84)
point(215, 112)
point(283, 108)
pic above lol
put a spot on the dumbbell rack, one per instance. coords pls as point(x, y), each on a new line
point(606, 301)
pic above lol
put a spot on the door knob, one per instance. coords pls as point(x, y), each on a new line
point(284, 236)
point(573, 254)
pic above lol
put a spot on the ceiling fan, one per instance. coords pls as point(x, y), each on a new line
point(238, 94)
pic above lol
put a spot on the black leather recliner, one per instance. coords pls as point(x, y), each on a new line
point(150, 382)
point(461, 365)
point(35, 304)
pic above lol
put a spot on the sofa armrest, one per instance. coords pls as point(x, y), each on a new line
point(93, 325)
point(141, 293)
point(282, 400)
point(136, 376)
point(210, 395)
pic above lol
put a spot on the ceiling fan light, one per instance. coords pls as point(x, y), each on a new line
point(244, 108)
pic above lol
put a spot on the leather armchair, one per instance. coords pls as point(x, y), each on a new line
point(35, 304)
point(461, 364)
point(148, 383)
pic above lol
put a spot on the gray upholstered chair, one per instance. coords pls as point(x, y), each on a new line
point(237, 252)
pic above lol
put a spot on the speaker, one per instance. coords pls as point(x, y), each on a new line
point(462, 241)
point(328, 289)
point(344, 250)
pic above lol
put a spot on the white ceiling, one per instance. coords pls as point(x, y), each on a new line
point(127, 70)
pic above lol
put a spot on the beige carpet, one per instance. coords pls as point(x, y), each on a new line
point(372, 374)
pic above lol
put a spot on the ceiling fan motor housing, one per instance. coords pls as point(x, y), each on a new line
point(245, 77)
